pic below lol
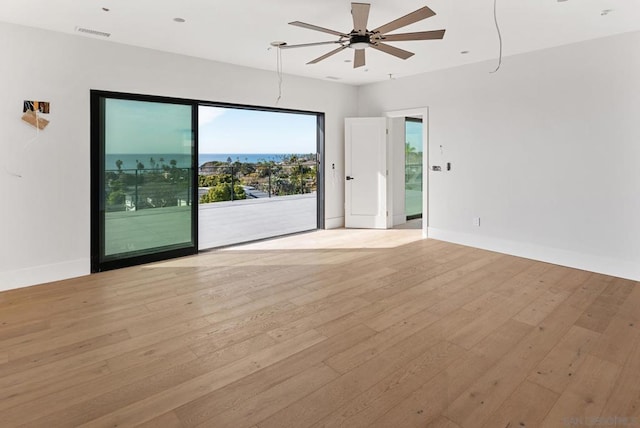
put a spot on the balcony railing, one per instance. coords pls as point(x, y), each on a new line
point(146, 188)
point(413, 190)
point(256, 181)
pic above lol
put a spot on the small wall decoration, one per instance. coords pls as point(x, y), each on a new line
point(39, 106)
point(32, 111)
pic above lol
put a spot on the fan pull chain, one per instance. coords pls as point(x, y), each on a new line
point(279, 72)
point(495, 19)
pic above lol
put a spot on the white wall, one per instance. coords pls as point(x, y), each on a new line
point(546, 152)
point(44, 216)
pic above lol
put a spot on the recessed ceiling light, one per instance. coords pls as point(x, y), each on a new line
point(179, 20)
point(278, 44)
point(464, 52)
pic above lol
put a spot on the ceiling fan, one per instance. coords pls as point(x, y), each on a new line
point(360, 38)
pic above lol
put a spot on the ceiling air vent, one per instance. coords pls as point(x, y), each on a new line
point(92, 32)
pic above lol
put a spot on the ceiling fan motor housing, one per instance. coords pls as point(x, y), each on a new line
point(359, 41)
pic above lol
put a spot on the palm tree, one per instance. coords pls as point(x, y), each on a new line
point(411, 154)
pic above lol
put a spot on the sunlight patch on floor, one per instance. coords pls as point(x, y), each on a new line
point(322, 247)
point(336, 239)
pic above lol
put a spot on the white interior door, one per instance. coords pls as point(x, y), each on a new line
point(366, 173)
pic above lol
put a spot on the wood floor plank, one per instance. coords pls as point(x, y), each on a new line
point(272, 400)
point(221, 400)
point(340, 286)
point(526, 407)
point(600, 313)
point(167, 420)
point(617, 341)
point(586, 396)
point(171, 398)
point(367, 349)
point(473, 286)
point(84, 401)
point(624, 401)
point(74, 349)
point(538, 310)
point(351, 328)
point(88, 359)
point(364, 409)
point(424, 406)
point(474, 406)
point(317, 405)
point(557, 369)
point(32, 392)
point(375, 309)
point(21, 329)
point(301, 325)
point(443, 422)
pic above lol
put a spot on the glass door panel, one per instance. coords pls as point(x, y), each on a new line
point(413, 168)
point(146, 157)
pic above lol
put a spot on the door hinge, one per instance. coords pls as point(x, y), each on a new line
point(387, 213)
point(387, 131)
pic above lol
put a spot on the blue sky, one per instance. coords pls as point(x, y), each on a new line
point(224, 130)
point(414, 135)
point(137, 127)
point(143, 127)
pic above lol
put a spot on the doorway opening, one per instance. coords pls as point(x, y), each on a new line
point(409, 202)
point(258, 174)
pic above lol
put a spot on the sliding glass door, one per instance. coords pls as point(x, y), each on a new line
point(143, 163)
point(259, 176)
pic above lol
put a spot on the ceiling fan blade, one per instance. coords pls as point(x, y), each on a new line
point(316, 28)
point(392, 50)
point(422, 35)
point(360, 12)
point(358, 58)
point(304, 45)
point(327, 55)
point(415, 16)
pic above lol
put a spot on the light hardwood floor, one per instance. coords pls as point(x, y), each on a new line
point(333, 328)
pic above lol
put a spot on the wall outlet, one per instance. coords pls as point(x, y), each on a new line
point(476, 221)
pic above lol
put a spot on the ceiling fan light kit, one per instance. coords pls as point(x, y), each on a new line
point(360, 38)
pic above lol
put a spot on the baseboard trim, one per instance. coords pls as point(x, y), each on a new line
point(399, 219)
point(588, 262)
point(334, 223)
point(11, 280)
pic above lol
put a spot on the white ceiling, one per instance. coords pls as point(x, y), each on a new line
point(240, 31)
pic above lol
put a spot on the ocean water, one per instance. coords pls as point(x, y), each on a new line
point(241, 157)
point(130, 161)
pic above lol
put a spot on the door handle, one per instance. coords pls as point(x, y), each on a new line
point(350, 178)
